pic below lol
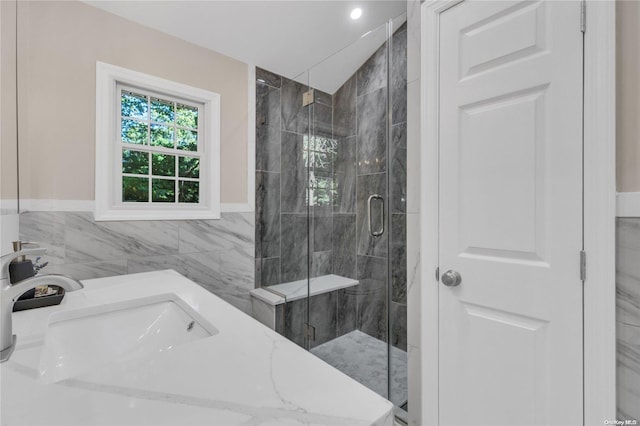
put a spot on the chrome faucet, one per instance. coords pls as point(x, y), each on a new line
point(10, 293)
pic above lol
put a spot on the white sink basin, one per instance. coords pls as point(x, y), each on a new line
point(78, 341)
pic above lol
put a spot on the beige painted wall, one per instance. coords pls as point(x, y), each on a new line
point(59, 44)
point(628, 95)
point(8, 147)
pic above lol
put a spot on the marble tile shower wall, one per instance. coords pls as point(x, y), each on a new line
point(355, 118)
point(217, 254)
point(282, 173)
point(628, 317)
point(361, 168)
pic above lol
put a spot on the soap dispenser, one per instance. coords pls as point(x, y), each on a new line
point(21, 268)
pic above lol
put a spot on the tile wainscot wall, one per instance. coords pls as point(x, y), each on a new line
point(628, 317)
point(217, 254)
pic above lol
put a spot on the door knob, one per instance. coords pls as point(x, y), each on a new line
point(451, 278)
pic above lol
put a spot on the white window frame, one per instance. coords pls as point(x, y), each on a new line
point(108, 201)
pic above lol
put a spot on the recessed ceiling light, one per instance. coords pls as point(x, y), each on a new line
point(356, 13)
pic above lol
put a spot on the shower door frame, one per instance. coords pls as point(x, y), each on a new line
point(599, 210)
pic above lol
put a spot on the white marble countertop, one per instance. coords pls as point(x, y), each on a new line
point(244, 375)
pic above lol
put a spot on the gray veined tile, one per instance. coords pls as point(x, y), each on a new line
point(628, 297)
point(372, 132)
point(295, 314)
point(199, 267)
point(413, 148)
point(88, 241)
point(372, 307)
point(398, 321)
point(628, 372)
point(263, 312)
point(47, 229)
point(268, 105)
point(267, 222)
point(237, 268)
point(628, 270)
point(268, 148)
point(344, 176)
point(236, 296)
point(399, 76)
point(322, 316)
point(293, 260)
point(280, 318)
point(399, 258)
point(268, 77)
point(267, 271)
point(372, 75)
point(322, 124)
point(202, 268)
point(344, 109)
point(322, 232)
point(321, 263)
point(628, 232)
point(294, 174)
point(85, 271)
point(398, 150)
point(231, 231)
point(346, 311)
point(413, 278)
point(344, 245)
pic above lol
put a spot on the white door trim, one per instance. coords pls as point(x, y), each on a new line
point(599, 210)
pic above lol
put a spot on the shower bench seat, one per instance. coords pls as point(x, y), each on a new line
point(265, 300)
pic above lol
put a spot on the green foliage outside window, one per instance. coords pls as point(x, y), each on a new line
point(135, 189)
point(163, 191)
point(158, 123)
point(189, 191)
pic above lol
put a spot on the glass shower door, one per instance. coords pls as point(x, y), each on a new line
point(330, 208)
point(356, 155)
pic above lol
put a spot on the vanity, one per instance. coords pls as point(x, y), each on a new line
point(157, 349)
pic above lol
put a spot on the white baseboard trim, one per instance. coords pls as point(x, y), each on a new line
point(48, 205)
point(43, 205)
point(628, 204)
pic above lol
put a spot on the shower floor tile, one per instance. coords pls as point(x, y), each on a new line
point(364, 359)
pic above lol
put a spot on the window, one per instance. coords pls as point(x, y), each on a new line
point(318, 156)
point(157, 148)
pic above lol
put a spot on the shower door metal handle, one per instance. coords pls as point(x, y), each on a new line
point(369, 202)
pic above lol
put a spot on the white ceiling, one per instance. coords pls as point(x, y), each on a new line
point(286, 37)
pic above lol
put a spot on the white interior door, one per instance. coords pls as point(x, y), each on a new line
point(511, 213)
